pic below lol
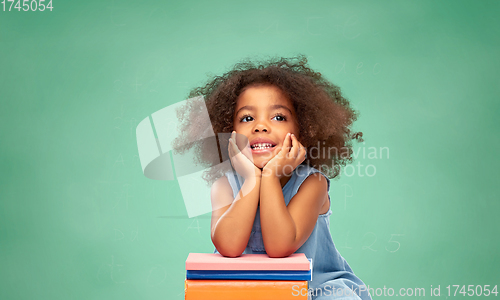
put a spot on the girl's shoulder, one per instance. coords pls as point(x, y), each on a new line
point(221, 194)
point(220, 185)
point(302, 172)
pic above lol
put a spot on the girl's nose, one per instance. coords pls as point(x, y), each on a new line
point(260, 128)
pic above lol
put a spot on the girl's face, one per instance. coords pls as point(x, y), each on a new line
point(264, 115)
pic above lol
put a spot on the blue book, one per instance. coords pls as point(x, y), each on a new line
point(250, 274)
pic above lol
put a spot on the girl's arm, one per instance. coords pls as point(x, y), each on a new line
point(232, 224)
point(286, 228)
point(232, 219)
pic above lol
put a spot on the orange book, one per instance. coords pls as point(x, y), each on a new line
point(244, 290)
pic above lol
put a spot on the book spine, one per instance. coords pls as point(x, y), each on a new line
point(249, 275)
point(245, 290)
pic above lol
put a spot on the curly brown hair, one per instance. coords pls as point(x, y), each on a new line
point(323, 114)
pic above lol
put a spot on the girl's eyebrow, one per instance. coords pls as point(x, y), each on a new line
point(275, 106)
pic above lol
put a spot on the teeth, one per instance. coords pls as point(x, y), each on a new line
point(262, 146)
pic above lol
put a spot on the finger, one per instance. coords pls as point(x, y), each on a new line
point(234, 147)
point(286, 144)
point(295, 147)
point(234, 136)
point(302, 149)
point(302, 154)
point(230, 148)
point(233, 158)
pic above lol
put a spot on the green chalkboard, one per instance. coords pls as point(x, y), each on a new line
point(80, 220)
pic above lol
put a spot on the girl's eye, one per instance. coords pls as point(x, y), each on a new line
point(279, 118)
point(246, 119)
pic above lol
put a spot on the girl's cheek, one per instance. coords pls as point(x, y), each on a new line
point(241, 140)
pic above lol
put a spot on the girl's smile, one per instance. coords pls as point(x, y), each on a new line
point(264, 115)
point(262, 145)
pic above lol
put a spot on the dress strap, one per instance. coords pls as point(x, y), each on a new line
point(235, 181)
point(302, 172)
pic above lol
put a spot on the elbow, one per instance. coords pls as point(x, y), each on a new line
point(279, 249)
point(230, 254)
point(279, 253)
point(227, 250)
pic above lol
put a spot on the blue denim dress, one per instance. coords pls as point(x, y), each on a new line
point(332, 276)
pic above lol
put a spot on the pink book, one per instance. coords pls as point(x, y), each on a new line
point(214, 261)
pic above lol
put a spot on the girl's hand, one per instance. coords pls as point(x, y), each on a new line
point(242, 160)
point(287, 159)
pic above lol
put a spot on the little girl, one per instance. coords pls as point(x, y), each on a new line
point(289, 133)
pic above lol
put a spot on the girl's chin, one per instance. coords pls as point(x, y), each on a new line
point(261, 161)
point(260, 164)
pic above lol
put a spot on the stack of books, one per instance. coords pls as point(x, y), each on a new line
point(249, 276)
